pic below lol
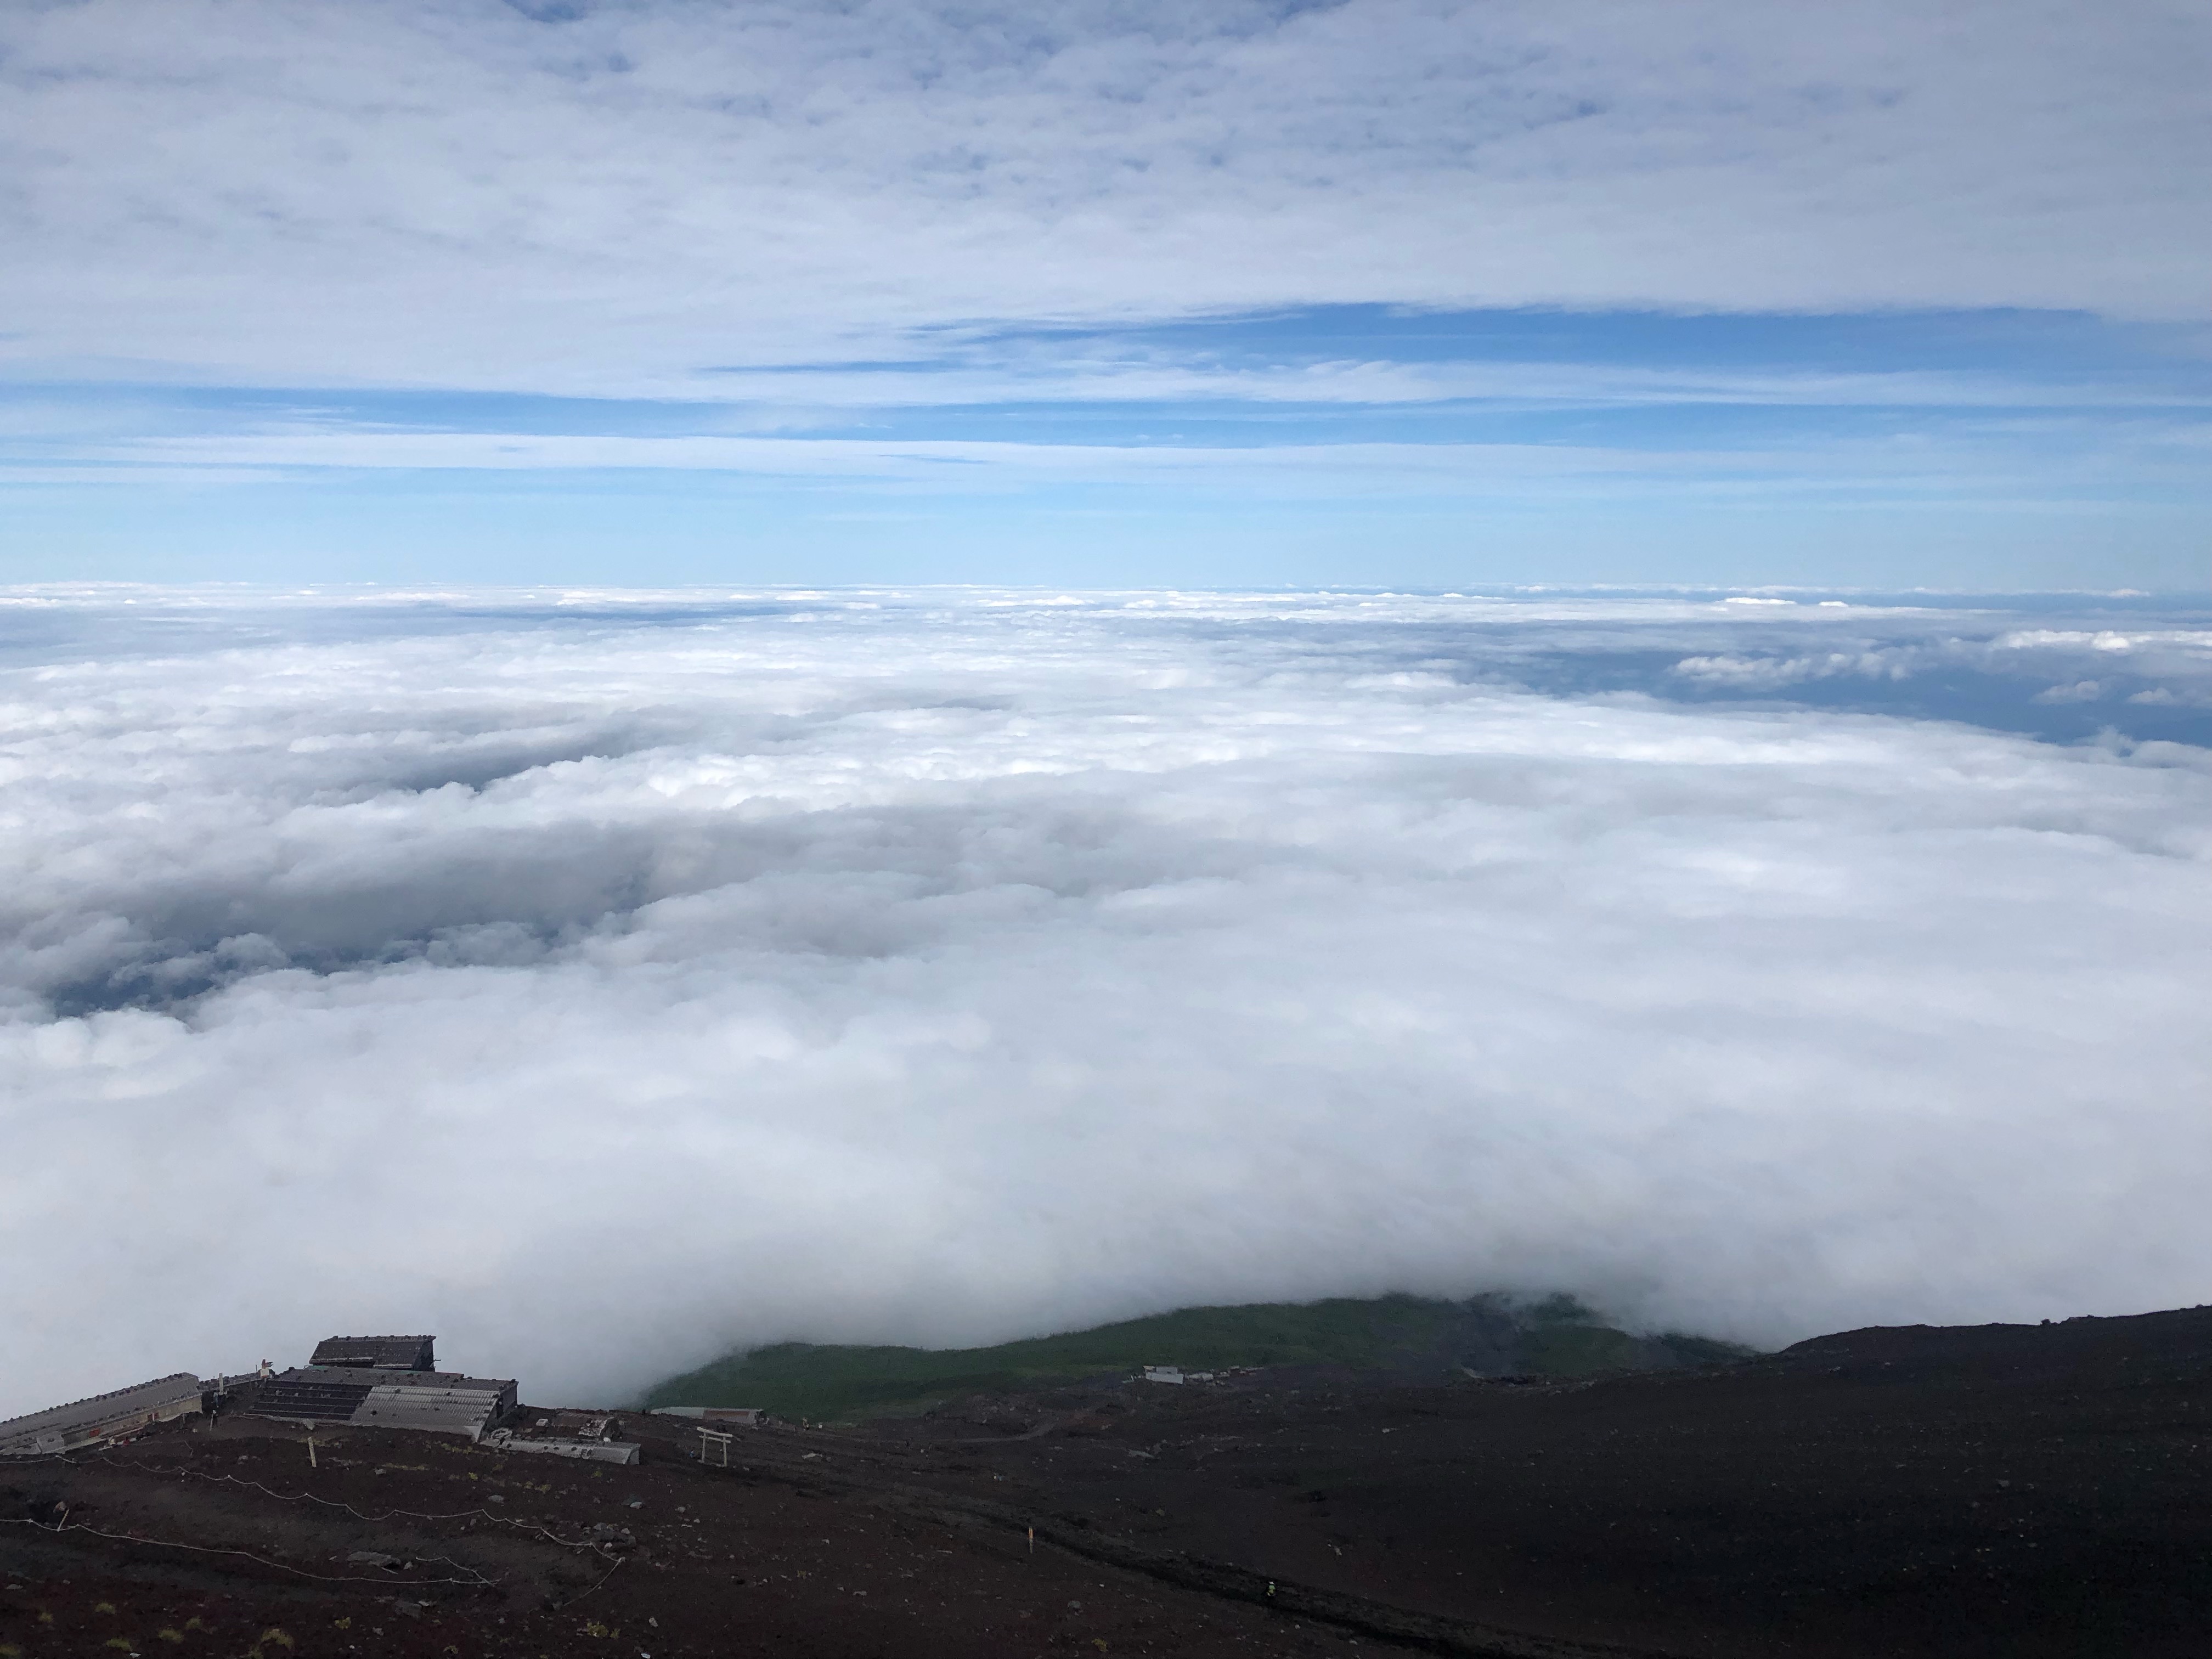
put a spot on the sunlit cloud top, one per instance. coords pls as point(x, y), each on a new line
point(687, 970)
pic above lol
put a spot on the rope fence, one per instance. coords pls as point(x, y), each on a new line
point(475, 1579)
point(546, 1533)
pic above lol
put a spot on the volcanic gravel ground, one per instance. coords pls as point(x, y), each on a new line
point(686, 1561)
point(2002, 1490)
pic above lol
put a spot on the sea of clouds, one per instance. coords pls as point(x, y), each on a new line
point(604, 980)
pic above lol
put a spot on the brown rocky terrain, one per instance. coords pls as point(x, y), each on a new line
point(2005, 1490)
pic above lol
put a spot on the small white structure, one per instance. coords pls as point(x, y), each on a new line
point(590, 1451)
point(751, 1417)
point(1175, 1374)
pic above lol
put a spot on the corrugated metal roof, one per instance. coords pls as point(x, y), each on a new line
point(396, 1353)
point(442, 1411)
point(370, 1378)
point(79, 1420)
point(442, 1402)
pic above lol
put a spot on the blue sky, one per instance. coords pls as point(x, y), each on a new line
point(1368, 293)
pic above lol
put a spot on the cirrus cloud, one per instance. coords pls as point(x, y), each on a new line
point(614, 198)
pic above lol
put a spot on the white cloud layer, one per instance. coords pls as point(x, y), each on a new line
point(614, 198)
point(602, 980)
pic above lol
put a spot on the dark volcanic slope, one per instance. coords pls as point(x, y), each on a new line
point(1999, 1491)
point(2014, 1491)
point(484, 1554)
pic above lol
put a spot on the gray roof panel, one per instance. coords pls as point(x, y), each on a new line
point(382, 1379)
point(73, 1420)
point(396, 1353)
point(306, 1397)
point(440, 1411)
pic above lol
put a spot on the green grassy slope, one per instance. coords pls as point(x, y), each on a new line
point(1403, 1333)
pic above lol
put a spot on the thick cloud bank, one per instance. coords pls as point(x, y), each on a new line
point(600, 981)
